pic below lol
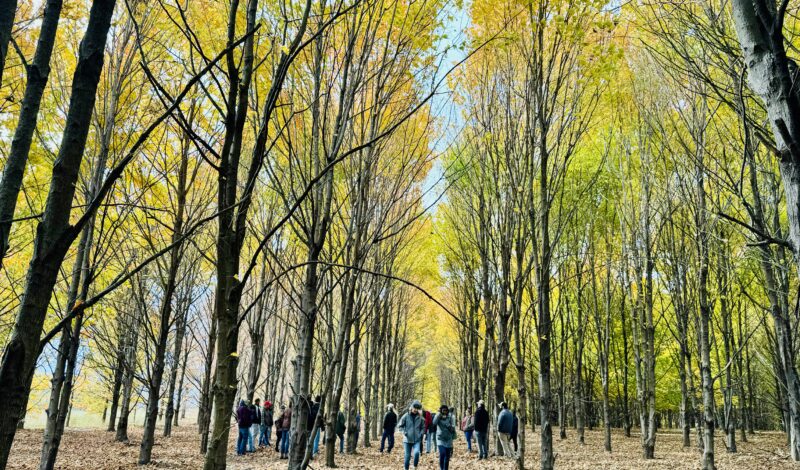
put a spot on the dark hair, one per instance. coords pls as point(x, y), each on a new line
point(319, 398)
point(504, 405)
point(444, 408)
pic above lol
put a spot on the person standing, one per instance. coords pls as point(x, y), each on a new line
point(482, 430)
point(286, 424)
point(279, 429)
point(412, 425)
point(445, 426)
point(340, 428)
point(389, 425)
point(515, 431)
point(468, 427)
point(255, 414)
point(505, 424)
point(244, 419)
point(266, 424)
point(313, 411)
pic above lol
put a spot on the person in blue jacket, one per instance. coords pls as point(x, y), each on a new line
point(505, 424)
point(412, 425)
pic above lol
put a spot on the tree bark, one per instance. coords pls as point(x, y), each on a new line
point(53, 233)
point(38, 72)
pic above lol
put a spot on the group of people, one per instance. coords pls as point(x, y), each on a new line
point(477, 425)
point(255, 420)
point(437, 430)
point(418, 426)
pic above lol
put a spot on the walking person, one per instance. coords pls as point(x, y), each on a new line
point(468, 428)
point(430, 433)
point(515, 431)
point(445, 433)
point(266, 424)
point(505, 424)
point(412, 425)
point(482, 430)
point(244, 419)
point(389, 425)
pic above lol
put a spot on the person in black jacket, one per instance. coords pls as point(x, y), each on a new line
point(515, 431)
point(389, 425)
point(482, 430)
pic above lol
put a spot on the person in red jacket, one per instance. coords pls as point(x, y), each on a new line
point(430, 432)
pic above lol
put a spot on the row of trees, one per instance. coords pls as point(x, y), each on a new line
point(619, 196)
point(227, 215)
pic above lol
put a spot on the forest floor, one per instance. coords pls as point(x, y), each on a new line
point(96, 449)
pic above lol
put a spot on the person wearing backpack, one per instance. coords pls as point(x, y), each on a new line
point(468, 427)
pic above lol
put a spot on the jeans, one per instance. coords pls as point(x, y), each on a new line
point(278, 437)
point(505, 442)
point(262, 435)
point(316, 442)
point(444, 457)
point(429, 442)
point(483, 444)
point(468, 437)
point(415, 448)
point(241, 441)
point(341, 444)
point(251, 439)
point(387, 435)
point(285, 441)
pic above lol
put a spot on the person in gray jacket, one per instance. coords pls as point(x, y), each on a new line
point(445, 433)
point(505, 424)
point(412, 425)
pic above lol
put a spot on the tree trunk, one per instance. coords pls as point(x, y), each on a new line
point(53, 235)
point(38, 72)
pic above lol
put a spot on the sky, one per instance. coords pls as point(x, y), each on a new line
point(456, 21)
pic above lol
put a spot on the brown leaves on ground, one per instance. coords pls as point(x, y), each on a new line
point(96, 449)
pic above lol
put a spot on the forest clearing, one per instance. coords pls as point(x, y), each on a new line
point(565, 233)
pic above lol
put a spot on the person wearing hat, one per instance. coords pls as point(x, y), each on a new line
point(266, 424)
point(412, 425)
point(445, 433)
point(482, 430)
point(505, 425)
point(389, 425)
